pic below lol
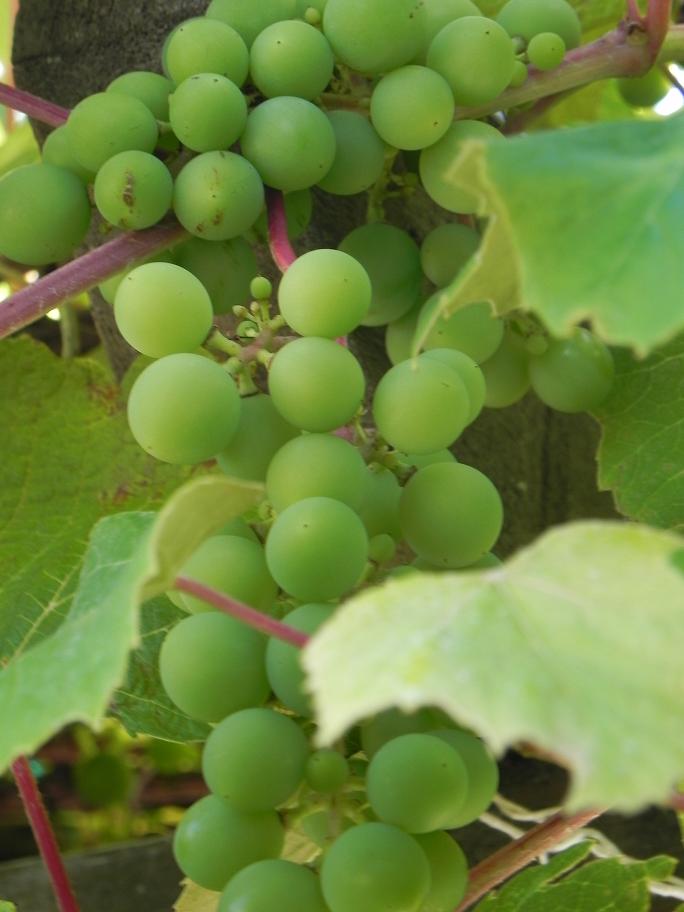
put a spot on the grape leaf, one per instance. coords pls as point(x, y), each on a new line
point(601, 257)
point(641, 457)
point(196, 899)
point(573, 645)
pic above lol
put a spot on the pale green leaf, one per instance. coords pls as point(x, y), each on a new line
point(299, 848)
point(573, 645)
point(196, 899)
point(19, 148)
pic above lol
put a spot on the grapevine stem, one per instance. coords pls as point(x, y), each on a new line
point(515, 856)
point(255, 619)
point(35, 107)
point(633, 12)
point(278, 238)
point(44, 835)
point(657, 24)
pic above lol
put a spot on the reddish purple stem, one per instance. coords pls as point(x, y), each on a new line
point(44, 835)
point(35, 107)
point(278, 238)
point(255, 619)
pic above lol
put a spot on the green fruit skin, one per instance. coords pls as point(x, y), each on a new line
point(546, 51)
point(446, 250)
point(469, 372)
point(107, 123)
point(379, 509)
point(392, 723)
point(399, 336)
point(472, 330)
point(439, 13)
point(273, 886)
point(506, 373)
point(412, 107)
point(150, 88)
point(448, 872)
point(359, 155)
point(208, 112)
point(291, 58)
point(644, 91)
point(573, 375)
point(483, 774)
point(201, 46)
point(225, 268)
point(261, 434)
point(527, 18)
point(57, 151)
point(133, 190)
point(327, 771)
point(249, 18)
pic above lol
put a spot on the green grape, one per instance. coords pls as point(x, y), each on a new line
point(392, 260)
point(44, 214)
point(261, 288)
point(317, 549)
point(382, 548)
point(437, 165)
point(573, 375)
point(225, 268)
point(546, 51)
point(417, 783)
point(640, 91)
point(161, 309)
point(469, 372)
point(359, 155)
point(232, 565)
point(316, 465)
point(290, 142)
point(283, 666)
point(184, 409)
point(520, 74)
point(472, 330)
point(323, 827)
point(375, 868)
point(249, 18)
point(421, 405)
point(298, 212)
point(488, 562)
point(399, 336)
point(212, 665)
point(109, 287)
point(170, 758)
point(316, 384)
point(303, 6)
point(380, 729)
point(326, 771)
point(255, 758)
point(475, 55)
point(448, 872)
point(527, 18)
point(446, 250)
point(215, 840)
point(205, 46)
point(380, 508)
point(208, 112)
point(506, 374)
point(426, 459)
point(439, 13)
point(374, 36)
point(450, 514)
point(103, 780)
point(483, 774)
point(150, 88)
point(218, 196)
point(325, 293)
point(261, 433)
point(133, 190)
point(107, 123)
point(291, 58)
point(57, 151)
point(412, 107)
point(273, 886)
point(240, 528)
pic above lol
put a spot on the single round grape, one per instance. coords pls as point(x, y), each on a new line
point(374, 36)
point(249, 18)
point(212, 665)
point(520, 74)
point(382, 548)
point(215, 840)
point(450, 514)
point(417, 783)
point(255, 758)
point(290, 142)
point(316, 465)
point(234, 566)
point(169, 758)
point(240, 528)
point(326, 771)
point(273, 886)
point(205, 46)
point(225, 268)
point(392, 260)
point(261, 433)
point(110, 286)
point(640, 91)
point(218, 196)
point(546, 51)
point(324, 827)
point(375, 868)
point(446, 250)
point(399, 336)
point(439, 13)
point(103, 780)
point(304, 6)
point(57, 151)
point(261, 288)
point(317, 549)
point(472, 330)
point(291, 58)
point(448, 872)
point(381, 729)
point(44, 214)
point(133, 190)
point(150, 88)
point(161, 309)
point(208, 112)
point(483, 774)
point(107, 123)
point(379, 510)
point(469, 372)
point(527, 18)
point(316, 384)
point(421, 405)
point(283, 661)
point(359, 155)
point(437, 165)
point(325, 293)
point(575, 374)
point(184, 409)
point(412, 107)
point(506, 373)
point(298, 212)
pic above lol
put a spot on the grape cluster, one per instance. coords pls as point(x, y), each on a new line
point(355, 492)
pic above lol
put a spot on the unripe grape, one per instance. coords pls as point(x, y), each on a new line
point(546, 51)
point(133, 190)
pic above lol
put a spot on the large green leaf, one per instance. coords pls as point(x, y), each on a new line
point(585, 224)
point(641, 458)
point(196, 899)
point(574, 645)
